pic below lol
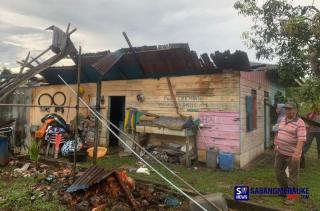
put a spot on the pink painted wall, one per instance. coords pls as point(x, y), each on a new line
point(221, 130)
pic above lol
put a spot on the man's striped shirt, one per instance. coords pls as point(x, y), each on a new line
point(290, 132)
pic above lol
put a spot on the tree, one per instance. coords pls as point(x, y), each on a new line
point(290, 33)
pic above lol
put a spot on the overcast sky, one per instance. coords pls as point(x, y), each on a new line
point(207, 25)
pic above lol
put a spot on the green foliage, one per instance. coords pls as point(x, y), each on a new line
point(307, 96)
point(281, 30)
point(34, 150)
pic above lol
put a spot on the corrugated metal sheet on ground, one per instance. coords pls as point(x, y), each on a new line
point(93, 175)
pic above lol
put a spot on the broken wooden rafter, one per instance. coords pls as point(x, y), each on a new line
point(135, 54)
point(61, 46)
point(22, 66)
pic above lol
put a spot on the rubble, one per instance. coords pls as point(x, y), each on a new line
point(115, 191)
point(24, 168)
point(111, 190)
point(171, 153)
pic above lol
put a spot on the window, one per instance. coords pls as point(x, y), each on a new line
point(254, 106)
point(251, 110)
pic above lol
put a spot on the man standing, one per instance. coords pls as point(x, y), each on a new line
point(288, 147)
point(312, 132)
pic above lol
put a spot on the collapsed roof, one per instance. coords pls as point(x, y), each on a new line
point(147, 62)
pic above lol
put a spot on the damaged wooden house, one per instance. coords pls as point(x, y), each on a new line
point(146, 90)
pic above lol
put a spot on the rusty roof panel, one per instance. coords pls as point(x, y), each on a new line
point(155, 63)
point(91, 176)
point(104, 64)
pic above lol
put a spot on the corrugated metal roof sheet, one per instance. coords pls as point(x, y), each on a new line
point(93, 175)
point(156, 62)
point(121, 65)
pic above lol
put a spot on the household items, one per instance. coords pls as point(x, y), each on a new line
point(58, 99)
point(101, 152)
point(68, 147)
point(173, 123)
point(131, 119)
point(170, 153)
point(6, 131)
point(54, 132)
point(58, 120)
point(50, 120)
point(4, 151)
point(87, 130)
point(226, 161)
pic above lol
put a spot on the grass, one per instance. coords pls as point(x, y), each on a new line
point(17, 196)
point(17, 192)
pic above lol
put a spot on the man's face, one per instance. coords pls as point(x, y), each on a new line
point(291, 113)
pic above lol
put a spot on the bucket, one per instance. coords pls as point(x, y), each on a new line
point(226, 161)
point(4, 151)
point(211, 158)
point(101, 151)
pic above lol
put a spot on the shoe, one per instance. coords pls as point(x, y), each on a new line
point(289, 202)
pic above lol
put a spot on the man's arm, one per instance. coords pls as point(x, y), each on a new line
point(297, 153)
point(301, 135)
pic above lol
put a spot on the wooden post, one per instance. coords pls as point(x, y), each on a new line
point(76, 135)
point(188, 163)
point(96, 138)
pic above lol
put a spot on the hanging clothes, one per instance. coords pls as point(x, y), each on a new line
point(52, 131)
point(42, 131)
point(126, 119)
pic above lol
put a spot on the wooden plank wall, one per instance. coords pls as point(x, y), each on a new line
point(36, 114)
point(204, 92)
point(211, 93)
point(220, 130)
point(252, 143)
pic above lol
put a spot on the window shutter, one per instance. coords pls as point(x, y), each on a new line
point(254, 112)
point(249, 111)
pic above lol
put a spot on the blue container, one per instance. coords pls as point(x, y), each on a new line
point(226, 161)
point(4, 151)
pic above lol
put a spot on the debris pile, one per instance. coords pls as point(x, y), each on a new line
point(94, 189)
point(171, 153)
point(49, 180)
point(97, 189)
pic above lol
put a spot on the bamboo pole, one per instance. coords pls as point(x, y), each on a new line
point(96, 138)
point(76, 135)
point(39, 106)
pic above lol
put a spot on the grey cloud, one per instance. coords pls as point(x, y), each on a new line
point(206, 25)
point(9, 54)
point(8, 30)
